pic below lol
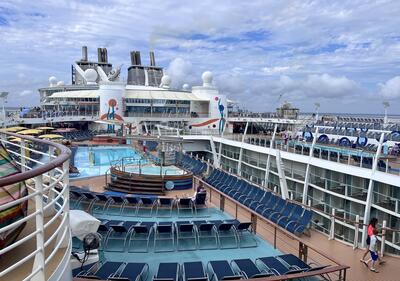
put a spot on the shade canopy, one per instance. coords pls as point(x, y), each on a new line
point(14, 129)
point(45, 128)
point(51, 136)
point(30, 132)
point(64, 130)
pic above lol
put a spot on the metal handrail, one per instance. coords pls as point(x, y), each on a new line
point(44, 198)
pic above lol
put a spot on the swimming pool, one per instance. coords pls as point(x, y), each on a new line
point(96, 160)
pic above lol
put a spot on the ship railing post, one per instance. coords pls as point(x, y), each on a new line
point(332, 229)
point(387, 165)
point(383, 239)
point(23, 154)
point(39, 261)
point(356, 232)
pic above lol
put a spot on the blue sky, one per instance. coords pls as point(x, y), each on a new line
point(343, 54)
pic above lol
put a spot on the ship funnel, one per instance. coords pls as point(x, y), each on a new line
point(84, 53)
point(152, 59)
point(133, 58)
point(138, 59)
point(102, 55)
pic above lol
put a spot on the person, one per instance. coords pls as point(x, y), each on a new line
point(200, 189)
point(370, 230)
point(373, 250)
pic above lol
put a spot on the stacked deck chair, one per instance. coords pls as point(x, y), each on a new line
point(185, 207)
point(167, 271)
point(276, 266)
point(249, 270)
point(146, 206)
point(294, 262)
point(222, 270)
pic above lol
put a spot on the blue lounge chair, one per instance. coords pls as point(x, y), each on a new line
point(117, 203)
point(278, 207)
point(164, 232)
point(285, 213)
point(299, 226)
point(225, 229)
point(146, 204)
point(194, 271)
point(206, 231)
point(221, 270)
point(119, 233)
point(244, 230)
point(275, 266)
point(164, 207)
point(102, 271)
point(248, 269)
point(131, 206)
point(140, 233)
point(200, 204)
point(185, 204)
point(294, 216)
point(167, 271)
point(186, 231)
point(132, 272)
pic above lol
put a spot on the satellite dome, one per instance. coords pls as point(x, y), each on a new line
point(90, 76)
point(207, 77)
point(52, 80)
point(185, 87)
point(60, 83)
point(165, 81)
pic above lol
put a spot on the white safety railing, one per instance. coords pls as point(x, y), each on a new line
point(45, 241)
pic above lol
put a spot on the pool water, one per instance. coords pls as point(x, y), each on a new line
point(151, 169)
point(95, 161)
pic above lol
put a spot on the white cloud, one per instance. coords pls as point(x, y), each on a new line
point(25, 93)
point(279, 69)
point(391, 88)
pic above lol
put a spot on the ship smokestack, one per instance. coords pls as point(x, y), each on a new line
point(138, 59)
point(84, 53)
point(152, 59)
point(133, 58)
point(102, 55)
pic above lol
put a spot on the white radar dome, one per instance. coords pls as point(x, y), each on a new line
point(52, 80)
point(90, 76)
point(60, 83)
point(165, 81)
point(207, 77)
point(185, 87)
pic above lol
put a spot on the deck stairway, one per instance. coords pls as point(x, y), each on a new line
point(134, 183)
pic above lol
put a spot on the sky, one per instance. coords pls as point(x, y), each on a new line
point(344, 55)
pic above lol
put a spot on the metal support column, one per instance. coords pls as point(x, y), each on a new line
point(368, 202)
point(241, 150)
point(307, 175)
point(267, 168)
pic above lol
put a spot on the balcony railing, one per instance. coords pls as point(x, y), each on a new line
point(43, 248)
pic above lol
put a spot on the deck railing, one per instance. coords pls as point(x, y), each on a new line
point(42, 250)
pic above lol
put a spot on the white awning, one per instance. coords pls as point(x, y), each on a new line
point(77, 94)
point(163, 95)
